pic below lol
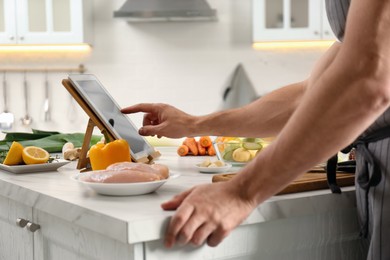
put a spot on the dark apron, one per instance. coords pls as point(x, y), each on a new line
point(372, 185)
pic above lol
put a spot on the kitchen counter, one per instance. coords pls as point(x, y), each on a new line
point(77, 223)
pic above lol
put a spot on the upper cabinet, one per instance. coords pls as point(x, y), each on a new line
point(290, 20)
point(42, 22)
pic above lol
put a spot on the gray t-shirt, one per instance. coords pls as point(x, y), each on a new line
point(337, 11)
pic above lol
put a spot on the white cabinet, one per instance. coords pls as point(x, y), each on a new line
point(62, 240)
point(290, 20)
point(55, 239)
point(42, 22)
point(326, 30)
point(15, 242)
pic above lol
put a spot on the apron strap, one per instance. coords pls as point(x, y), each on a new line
point(369, 175)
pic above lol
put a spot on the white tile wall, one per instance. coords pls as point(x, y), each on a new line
point(182, 63)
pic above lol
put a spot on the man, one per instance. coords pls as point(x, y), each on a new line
point(347, 93)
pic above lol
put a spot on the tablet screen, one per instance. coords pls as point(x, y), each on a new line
point(109, 112)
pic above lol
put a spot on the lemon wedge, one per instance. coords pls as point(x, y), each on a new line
point(35, 155)
point(14, 155)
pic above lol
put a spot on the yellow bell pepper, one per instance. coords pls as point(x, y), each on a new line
point(102, 155)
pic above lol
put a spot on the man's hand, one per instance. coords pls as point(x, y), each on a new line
point(163, 120)
point(206, 213)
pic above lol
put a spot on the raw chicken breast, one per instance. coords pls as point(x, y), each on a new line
point(126, 172)
point(159, 169)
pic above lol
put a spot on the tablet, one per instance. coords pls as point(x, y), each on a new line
point(108, 111)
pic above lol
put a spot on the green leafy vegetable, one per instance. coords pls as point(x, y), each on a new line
point(50, 141)
point(3, 154)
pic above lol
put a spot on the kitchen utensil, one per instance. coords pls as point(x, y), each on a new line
point(6, 118)
point(26, 120)
point(46, 103)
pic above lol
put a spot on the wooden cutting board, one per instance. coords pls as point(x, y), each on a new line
point(306, 182)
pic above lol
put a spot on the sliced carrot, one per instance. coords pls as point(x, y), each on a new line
point(205, 141)
point(201, 149)
point(182, 150)
point(211, 150)
point(191, 143)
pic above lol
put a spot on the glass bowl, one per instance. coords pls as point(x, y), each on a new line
point(238, 150)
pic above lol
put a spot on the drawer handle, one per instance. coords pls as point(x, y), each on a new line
point(32, 227)
point(21, 222)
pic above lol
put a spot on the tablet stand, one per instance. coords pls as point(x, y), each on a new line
point(83, 163)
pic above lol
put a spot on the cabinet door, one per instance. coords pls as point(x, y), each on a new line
point(49, 21)
point(7, 22)
point(279, 20)
point(327, 32)
point(15, 242)
point(58, 239)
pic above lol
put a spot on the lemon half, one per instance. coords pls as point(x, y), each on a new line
point(35, 155)
point(14, 155)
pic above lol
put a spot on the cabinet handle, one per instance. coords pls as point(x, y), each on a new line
point(32, 227)
point(21, 222)
point(21, 38)
point(12, 38)
point(316, 33)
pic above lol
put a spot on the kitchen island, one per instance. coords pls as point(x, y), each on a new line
point(68, 221)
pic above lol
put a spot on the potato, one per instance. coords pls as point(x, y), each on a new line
point(241, 155)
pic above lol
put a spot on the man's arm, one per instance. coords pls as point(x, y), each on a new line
point(349, 95)
point(266, 116)
point(347, 98)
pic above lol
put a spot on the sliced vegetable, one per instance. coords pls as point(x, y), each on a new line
point(219, 163)
point(252, 146)
point(254, 153)
point(228, 156)
point(241, 155)
point(208, 163)
point(205, 163)
point(252, 139)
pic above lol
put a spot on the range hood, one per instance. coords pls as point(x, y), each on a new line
point(239, 90)
point(166, 10)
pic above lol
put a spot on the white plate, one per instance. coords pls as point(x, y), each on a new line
point(214, 169)
point(125, 189)
point(44, 167)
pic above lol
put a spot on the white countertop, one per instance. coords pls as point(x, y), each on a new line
point(135, 219)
